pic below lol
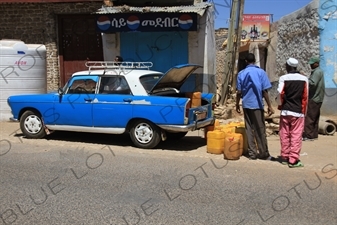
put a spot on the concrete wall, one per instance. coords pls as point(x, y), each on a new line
point(37, 24)
point(201, 47)
point(328, 52)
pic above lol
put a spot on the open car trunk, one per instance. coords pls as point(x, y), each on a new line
point(197, 105)
point(174, 78)
point(194, 97)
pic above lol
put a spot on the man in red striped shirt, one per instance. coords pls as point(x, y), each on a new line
point(292, 100)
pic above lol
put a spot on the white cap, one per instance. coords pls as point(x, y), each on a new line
point(292, 62)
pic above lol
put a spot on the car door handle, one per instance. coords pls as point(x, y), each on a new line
point(127, 100)
point(88, 99)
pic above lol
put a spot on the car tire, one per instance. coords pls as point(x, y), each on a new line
point(145, 134)
point(31, 125)
point(175, 136)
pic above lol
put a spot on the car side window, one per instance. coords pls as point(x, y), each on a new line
point(114, 85)
point(82, 86)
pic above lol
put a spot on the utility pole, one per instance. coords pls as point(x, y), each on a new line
point(228, 70)
point(237, 45)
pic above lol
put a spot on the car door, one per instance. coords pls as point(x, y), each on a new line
point(112, 107)
point(74, 106)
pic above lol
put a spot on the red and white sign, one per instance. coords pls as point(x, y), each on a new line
point(255, 27)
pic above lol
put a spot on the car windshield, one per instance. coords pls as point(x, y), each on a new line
point(64, 88)
point(148, 81)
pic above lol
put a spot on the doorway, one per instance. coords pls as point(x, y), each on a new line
point(78, 42)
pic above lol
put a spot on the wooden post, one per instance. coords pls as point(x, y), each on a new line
point(237, 45)
point(228, 71)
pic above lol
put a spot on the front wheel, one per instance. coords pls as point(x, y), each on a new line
point(145, 134)
point(31, 125)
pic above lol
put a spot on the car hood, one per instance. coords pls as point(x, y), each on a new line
point(175, 77)
point(31, 97)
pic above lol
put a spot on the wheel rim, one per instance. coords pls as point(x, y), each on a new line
point(143, 133)
point(33, 124)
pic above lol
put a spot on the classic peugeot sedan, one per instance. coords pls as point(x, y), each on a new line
point(114, 98)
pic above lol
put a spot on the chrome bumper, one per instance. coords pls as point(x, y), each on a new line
point(189, 127)
point(13, 119)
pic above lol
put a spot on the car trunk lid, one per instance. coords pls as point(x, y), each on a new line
point(175, 77)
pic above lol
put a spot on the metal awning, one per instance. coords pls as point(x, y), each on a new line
point(198, 8)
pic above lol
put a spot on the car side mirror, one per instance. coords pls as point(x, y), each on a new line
point(60, 91)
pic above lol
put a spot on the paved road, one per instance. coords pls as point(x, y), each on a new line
point(73, 178)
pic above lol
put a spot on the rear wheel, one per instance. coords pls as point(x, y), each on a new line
point(145, 134)
point(31, 125)
point(175, 136)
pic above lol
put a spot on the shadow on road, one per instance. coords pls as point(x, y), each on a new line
point(188, 143)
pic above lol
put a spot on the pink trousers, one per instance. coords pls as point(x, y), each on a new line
point(291, 129)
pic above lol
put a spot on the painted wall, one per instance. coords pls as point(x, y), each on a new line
point(210, 54)
point(327, 22)
point(196, 48)
point(201, 51)
point(111, 46)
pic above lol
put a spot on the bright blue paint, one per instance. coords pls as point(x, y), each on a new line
point(81, 77)
point(184, 65)
point(105, 110)
point(163, 49)
point(41, 102)
point(207, 96)
point(74, 109)
point(160, 110)
point(111, 110)
point(328, 41)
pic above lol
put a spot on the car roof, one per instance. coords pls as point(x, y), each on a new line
point(101, 68)
point(133, 73)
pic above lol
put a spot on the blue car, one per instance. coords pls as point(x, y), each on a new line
point(114, 98)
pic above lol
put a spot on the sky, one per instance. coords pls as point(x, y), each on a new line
point(278, 9)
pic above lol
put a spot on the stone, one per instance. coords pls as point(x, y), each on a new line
point(269, 132)
point(276, 120)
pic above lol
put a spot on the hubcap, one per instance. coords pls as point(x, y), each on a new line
point(143, 133)
point(33, 124)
